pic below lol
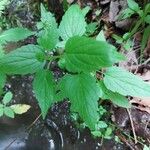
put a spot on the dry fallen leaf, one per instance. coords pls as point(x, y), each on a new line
point(20, 108)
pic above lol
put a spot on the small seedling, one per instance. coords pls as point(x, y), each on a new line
point(142, 23)
point(11, 110)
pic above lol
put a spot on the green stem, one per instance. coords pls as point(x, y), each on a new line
point(134, 30)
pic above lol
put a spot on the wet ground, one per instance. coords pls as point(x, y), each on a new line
point(57, 132)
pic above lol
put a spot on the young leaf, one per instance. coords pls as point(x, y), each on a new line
point(24, 60)
point(133, 5)
point(114, 97)
point(14, 35)
point(73, 23)
point(9, 112)
point(83, 93)
point(7, 98)
point(43, 87)
point(101, 125)
point(20, 108)
point(118, 80)
point(48, 37)
point(85, 54)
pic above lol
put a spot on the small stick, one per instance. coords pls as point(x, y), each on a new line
point(132, 125)
point(34, 121)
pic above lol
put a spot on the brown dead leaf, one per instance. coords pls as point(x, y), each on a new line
point(146, 76)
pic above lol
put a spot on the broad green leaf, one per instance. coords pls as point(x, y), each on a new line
point(24, 60)
point(133, 5)
point(47, 18)
point(43, 86)
point(20, 108)
point(15, 34)
point(118, 80)
point(83, 92)
point(9, 112)
point(85, 54)
point(7, 98)
point(1, 111)
point(73, 23)
point(114, 97)
point(101, 36)
point(48, 38)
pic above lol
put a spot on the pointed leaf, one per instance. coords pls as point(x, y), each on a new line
point(49, 37)
point(7, 98)
point(43, 86)
point(85, 54)
point(133, 5)
point(114, 97)
point(73, 23)
point(83, 93)
point(9, 112)
point(119, 80)
point(15, 34)
point(24, 60)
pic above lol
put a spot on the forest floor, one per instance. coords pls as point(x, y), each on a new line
point(131, 127)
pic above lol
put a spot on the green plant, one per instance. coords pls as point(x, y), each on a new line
point(11, 35)
point(11, 110)
point(80, 57)
point(142, 23)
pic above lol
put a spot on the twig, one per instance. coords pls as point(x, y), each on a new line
point(37, 118)
point(132, 125)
